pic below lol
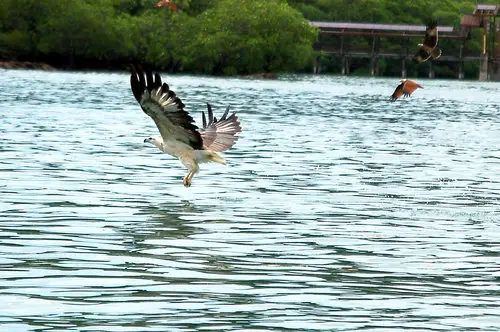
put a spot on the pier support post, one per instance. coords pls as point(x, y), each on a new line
point(404, 68)
point(432, 73)
point(483, 67)
point(317, 66)
point(345, 65)
point(342, 60)
point(404, 72)
point(374, 67)
point(461, 62)
point(461, 70)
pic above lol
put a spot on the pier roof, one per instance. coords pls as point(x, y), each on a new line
point(486, 10)
point(375, 27)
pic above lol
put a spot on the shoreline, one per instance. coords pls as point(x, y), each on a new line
point(25, 65)
point(33, 65)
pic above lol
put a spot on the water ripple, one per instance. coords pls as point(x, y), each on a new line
point(339, 210)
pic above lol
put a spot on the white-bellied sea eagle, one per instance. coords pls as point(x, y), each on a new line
point(180, 137)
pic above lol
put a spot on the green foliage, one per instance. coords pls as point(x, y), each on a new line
point(222, 37)
point(245, 36)
point(209, 36)
point(74, 29)
point(17, 22)
point(14, 42)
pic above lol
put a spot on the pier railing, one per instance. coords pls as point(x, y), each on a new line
point(339, 39)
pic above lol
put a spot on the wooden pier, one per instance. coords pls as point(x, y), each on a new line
point(335, 36)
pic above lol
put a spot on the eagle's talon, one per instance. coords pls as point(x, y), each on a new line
point(187, 182)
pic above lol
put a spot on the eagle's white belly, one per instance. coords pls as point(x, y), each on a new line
point(178, 149)
point(187, 155)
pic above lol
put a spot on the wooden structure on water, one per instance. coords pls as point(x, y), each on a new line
point(483, 16)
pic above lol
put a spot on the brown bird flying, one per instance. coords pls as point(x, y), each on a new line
point(406, 88)
point(429, 48)
point(166, 3)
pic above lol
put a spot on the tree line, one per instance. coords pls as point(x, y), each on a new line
point(219, 37)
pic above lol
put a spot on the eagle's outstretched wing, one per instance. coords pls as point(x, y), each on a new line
point(398, 92)
point(422, 55)
point(219, 135)
point(429, 47)
point(165, 108)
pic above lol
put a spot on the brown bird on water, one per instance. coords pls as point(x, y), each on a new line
point(429, 48)
point(166, 3)
point(406, 88)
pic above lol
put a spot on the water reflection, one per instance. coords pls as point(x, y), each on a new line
point(338, 211)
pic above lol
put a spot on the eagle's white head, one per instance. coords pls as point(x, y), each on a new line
point(155, 140)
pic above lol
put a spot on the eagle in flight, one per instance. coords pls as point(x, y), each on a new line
point(406, 88)
point(429, 47)
point(180, 137)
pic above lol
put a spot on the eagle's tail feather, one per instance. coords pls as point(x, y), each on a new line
point(220, 135)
